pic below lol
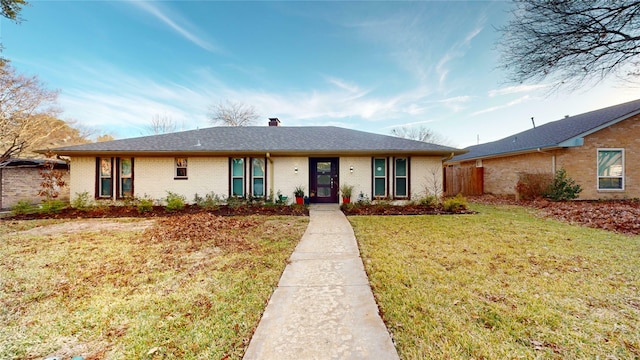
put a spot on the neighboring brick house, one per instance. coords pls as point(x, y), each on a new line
point(257, 161)
point(600, 150)
point(20, 179)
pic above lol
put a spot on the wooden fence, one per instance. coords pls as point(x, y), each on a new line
point(468, 180)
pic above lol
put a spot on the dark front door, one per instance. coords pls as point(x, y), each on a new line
point(324, 180)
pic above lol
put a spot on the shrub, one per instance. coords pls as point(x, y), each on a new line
point(563, 187)
point(455, 203)
point(145, 205)
point(210, 201)
point(52, 206)
point(533, 185)
point(236, 201)
point(23, 207)
point(82, 201)
point(429, 201)
point(363, 199)
point(175, 202)
point(52, 179)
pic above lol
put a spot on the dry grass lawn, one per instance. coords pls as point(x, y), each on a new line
point(503, 284)
point(123, 292)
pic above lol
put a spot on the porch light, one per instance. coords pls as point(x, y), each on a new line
point(295, 169)
point(351, 169)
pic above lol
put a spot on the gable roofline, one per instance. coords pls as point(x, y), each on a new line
point(276, 140)
point(579, 139)
point(563, 133)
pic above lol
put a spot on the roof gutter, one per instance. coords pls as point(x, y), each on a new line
point(505, 154)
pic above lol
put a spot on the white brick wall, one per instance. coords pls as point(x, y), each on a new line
point(426, 174)
point(360, 178)
point(154, 176)
point(83, 176)
point(284, 177)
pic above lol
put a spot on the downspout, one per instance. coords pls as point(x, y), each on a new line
point(268, 155)
point(553, 160)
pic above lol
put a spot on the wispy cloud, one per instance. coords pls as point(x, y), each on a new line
point(499, 107)
point(111, 99)
point(516, 89)
point(456, 51)
point(173, 23)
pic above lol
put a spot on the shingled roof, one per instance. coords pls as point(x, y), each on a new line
point(260, 139)
point(566, 132)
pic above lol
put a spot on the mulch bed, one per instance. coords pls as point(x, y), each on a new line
point(388, 209)
point(160, 211)
point(621, 216)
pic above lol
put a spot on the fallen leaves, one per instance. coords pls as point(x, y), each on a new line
point(622, 216)
point(196, 229)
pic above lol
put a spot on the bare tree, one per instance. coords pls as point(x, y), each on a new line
point(161, 124)
point(26, 108)
point(11, 9)
point(571, 42)
point(54, 133)
point(105, 137)
point(230, 113)
point(418, 133)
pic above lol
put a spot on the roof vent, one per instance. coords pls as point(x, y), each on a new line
point(274, 122)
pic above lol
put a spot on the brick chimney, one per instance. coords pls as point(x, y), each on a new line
point(274, 122)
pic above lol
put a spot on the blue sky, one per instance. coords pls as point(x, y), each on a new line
point(368, 66)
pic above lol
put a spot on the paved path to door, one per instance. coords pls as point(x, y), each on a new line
point(323, 307)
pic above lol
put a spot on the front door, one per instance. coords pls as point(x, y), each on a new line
point(324, 180)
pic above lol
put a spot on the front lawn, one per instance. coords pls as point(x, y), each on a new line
point(503, 284)
point(188, 287)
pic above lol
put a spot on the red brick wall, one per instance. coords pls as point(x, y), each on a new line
point(501, 174)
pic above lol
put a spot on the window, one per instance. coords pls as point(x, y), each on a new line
point(257, 177)
point(126, 177)
point(105, 179)
point(379, 177)
point(401, 178)
point(237, 177)
point(181, 168)
point(610, 169)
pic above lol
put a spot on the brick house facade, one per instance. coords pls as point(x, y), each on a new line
point(258, 162)
point(581, 150)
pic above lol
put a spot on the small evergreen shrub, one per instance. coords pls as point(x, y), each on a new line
point(456, 203)
point(563, 187)
point(175, 202)
point(210, 201)
point(23, 207)
point(52, 206)
point(145, 205)
point(82, 201)
point(234, 202)
point(429, 201)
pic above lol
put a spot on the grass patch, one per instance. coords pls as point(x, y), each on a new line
point(503, 284)
point(126, 295)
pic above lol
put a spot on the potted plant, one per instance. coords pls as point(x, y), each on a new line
point(299, 194)
point(346, 191)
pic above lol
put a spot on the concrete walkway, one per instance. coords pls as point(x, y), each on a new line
point(323, 307)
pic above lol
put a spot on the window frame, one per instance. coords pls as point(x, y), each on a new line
point(385, 177)
point(119, 192)
point(232, 177)
point(406, 177)
point(622, 175)
point(99, 177)
point(254, 177)
point(177, 166)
